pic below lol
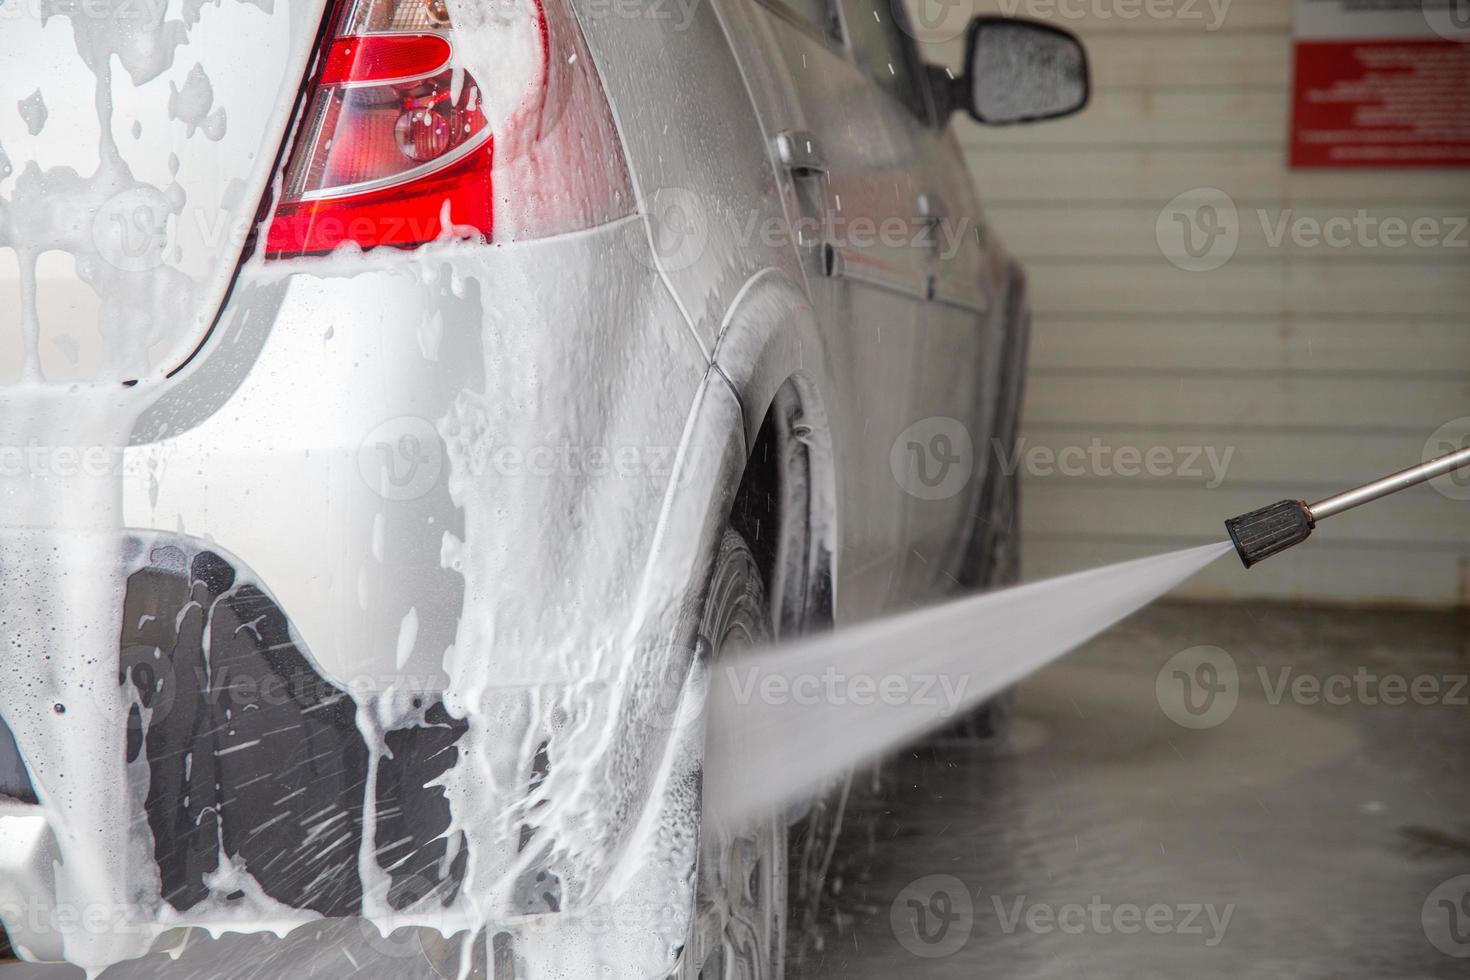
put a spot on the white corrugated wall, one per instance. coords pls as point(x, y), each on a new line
point(1303, 370)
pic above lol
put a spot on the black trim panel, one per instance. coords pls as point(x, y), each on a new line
point(253, 755)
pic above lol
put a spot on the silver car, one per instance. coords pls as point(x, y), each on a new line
point(405, 403)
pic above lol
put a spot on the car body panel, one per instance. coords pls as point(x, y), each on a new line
point(700, 167)
point(864, 327)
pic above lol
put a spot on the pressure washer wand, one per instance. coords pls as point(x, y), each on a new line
point(1271, 530)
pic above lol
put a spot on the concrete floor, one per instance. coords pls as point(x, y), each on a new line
point(1303, 833)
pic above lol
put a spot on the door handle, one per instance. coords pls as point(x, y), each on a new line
point(949, 283)
point(801, 156)
point(800, 153)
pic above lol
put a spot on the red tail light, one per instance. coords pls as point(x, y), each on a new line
point(398, 141)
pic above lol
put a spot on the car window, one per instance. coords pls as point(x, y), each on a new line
point(885, 51)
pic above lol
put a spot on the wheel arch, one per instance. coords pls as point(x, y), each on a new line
point(785, 506)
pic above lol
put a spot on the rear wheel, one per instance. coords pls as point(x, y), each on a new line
point(741, 900)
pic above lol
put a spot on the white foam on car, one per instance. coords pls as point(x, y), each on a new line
point(58, 558)
point(33, 111)
point(60, 546)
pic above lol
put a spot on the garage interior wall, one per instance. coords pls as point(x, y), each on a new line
point(1304, 370)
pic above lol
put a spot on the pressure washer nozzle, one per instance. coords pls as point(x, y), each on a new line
point(1270, 530)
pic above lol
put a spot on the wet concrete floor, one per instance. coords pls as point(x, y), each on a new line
point(1232, 791)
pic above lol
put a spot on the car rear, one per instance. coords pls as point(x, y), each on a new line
point(335, 330)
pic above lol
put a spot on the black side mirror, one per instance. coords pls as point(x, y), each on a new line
point(1019, 71)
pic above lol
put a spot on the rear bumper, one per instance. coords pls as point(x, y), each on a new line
point(245, 757)
point(258, 774)
point(440, 484)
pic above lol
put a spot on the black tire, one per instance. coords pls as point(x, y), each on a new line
point(741, 891)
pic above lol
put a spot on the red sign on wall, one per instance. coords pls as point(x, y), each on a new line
point(1379, 85)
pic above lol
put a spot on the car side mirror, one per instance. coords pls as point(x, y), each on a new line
point(1019, 71)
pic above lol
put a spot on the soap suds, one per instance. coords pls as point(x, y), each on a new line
point(33, 111)
point(61, 541)
point(408, 634)
point(191, 104)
